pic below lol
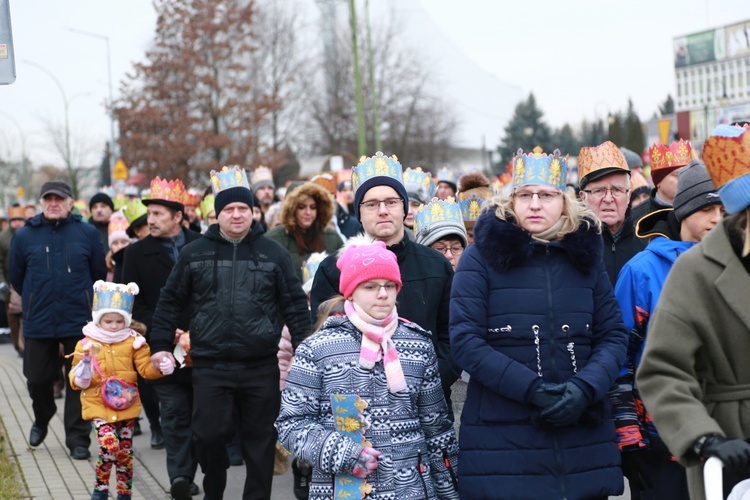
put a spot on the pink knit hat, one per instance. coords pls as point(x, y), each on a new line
point(364, 262)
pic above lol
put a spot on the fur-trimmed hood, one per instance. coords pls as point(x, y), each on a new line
point(504, 244)
point(323, 201)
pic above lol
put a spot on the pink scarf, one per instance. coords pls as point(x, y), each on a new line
point(94, 332)
point(376, 341)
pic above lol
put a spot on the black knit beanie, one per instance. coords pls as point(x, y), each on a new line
point(101, 198)
point(231, 195)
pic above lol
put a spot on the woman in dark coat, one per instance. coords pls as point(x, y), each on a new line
point(534, 322)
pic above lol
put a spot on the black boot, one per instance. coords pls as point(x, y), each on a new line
point(302, 476)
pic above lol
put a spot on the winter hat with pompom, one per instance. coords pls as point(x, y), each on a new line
point(364, 259)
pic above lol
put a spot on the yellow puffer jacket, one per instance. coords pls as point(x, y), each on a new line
point(115, 360)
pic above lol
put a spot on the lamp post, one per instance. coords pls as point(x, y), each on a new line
point(66, 105)
point(25, 174)
point(112, 144)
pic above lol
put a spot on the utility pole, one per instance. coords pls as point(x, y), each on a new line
point(371, 58)
point(361, 139)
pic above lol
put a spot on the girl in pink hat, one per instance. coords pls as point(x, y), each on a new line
point(401, 442)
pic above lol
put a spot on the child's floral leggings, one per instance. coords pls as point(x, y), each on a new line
point(115, 447)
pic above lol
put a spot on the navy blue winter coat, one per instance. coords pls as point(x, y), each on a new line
point(53, 265)
point(521, 312)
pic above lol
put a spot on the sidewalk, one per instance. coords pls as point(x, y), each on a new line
point(48, 471)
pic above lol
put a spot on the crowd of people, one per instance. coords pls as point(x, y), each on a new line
point(601, 326)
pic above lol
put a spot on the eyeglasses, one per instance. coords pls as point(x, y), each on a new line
point(374, 205)
point(373, 287)
point(601, 192)
point(544, 196)
point(456, 250)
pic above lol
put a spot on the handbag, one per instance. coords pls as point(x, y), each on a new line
point(116, 393)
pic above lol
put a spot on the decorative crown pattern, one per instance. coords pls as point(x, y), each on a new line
point(727, 158)
point(16, 213)
point(191, 198)
point(376, 166)
point(471, 206)
point(114, 296)
point(419, 182)
point(540, 168)
point(162, 189)
point(117, 224)
point(261, 176)
point(678, 154)
point(605, 155)
point(435, 211)
point(108, 190)
point(207, 205)
point(134, 210)
point(343, 175)
point(119, 201)
point(228, 177)
point(348, 410)
point(310, 267)
point(326, 180)
point(447, 175)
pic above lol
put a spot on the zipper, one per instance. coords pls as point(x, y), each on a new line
point(67, 257)
point(47, 248)
point(231, 296)
point(420, 470)
point(535, 329)
point(28, 309)
point(572, 351)
point(452, 473)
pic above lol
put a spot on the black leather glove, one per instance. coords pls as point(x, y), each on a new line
point(638, 467)
point(735, 453)
point(547, 394)
point(568, 410)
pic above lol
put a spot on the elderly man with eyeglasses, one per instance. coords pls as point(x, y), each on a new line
point(605, 188)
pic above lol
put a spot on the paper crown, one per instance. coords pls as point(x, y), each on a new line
point(119, 201)
point(471, 206)
point(470, 169)
point(191, 198)
point(16, 213)
point(145, 194)
point(419, 183)
point(604, 158)
point(540, 168)
point(727, 157)
point(437, 211)
point(376, 166)
point(261, 176)
point(162, 189)
point(311, 265)
point(207, 205)
point(326, 180)
point(114, 296)
point(131, 191)
point(134, 210)
point(447, 175)
point(678, 154)
point(117, 223)
point(343, 175)
point(228, 177)
point(108, 190)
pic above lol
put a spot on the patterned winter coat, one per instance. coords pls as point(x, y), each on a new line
point(521, 312)
point(409, 428)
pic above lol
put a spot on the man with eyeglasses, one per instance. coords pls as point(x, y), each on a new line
point(440, 226)
point(605, 188)
point(381, 204)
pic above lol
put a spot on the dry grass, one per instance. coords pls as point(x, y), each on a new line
point(11, 484)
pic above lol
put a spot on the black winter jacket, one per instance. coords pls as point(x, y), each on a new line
point(424, 298)
point(239, 297)
point(616, 254)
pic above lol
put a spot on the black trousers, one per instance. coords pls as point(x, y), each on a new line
point(255, 394)
point(669, 483)
point(41, 367)
point(149, 402)
point(175, 392)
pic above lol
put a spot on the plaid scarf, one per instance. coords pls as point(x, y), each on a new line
point(376, 341)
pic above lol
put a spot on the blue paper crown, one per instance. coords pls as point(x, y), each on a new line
point(540, 168)
point(311, 265)
point(114, 296)
point(437, 211)
point(447, 175)
point(471, 207)
point(228, 177)
point(420, 183)
point(376, 166)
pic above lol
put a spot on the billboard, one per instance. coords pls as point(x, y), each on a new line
point(7, 59)
point(697, 48)
point(738, 39)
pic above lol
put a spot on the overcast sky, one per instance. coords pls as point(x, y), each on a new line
point(581, 58)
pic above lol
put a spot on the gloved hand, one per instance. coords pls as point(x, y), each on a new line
point(735, 453)
point(547, 394)
point(83, 383)
point(166, 366)
point(568, 410)
point(366, 463)
point(638, 467)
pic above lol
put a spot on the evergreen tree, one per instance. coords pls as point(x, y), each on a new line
point(566, 141)
point(525, 130)
point(592, 134)
point(616, 132)
point(667, 107)
point(634, 137)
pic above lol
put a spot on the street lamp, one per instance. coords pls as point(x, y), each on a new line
point(25, 174)
point(111, 98)
point(66, 106)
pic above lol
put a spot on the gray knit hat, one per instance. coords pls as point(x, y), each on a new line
point(695, 190)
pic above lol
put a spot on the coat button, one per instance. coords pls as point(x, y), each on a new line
point(565, 328)
point(114, 418)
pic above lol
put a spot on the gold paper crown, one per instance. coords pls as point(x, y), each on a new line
point(115, 296)
point(378, 165)
point(727, 157)
point(261, 176)
point(191, 198)
point(228, 177)
point(16, 213)
point(119, 223)
point(678, 154)
point(162, 189)
point(604, 156)
point(326, 180)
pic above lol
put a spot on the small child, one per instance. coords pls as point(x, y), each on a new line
point(104, 369)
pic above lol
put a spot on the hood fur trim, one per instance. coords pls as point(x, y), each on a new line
point(505, 245)
point(323, 201)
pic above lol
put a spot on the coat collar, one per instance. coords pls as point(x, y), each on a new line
point(505, 245)
point(733, 283)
